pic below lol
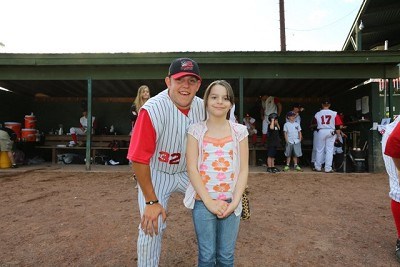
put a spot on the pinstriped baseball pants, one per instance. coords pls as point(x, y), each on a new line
point(149, 248)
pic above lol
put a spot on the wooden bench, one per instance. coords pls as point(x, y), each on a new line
point(306, 146)
point(59, 143)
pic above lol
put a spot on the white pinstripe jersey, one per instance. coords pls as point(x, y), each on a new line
point(391, 169)
point(269, 106)
point(171, 125)
point(325, 119)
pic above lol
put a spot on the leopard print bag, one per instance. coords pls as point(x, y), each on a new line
point(246, 205)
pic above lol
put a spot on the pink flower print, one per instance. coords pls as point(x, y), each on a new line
point(219, 152)
point(203, 167)
point(222, 196)
point(221, 176)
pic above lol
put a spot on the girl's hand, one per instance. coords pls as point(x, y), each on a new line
point(217, 206)
point(231, 208)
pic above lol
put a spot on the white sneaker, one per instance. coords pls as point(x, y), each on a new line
point(112, 162)
point(72, 144)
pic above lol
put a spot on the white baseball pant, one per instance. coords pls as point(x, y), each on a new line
point(325, 145)
point(149, 248)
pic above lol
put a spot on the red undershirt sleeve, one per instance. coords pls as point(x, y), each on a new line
point(143, 140)
point(338, 120)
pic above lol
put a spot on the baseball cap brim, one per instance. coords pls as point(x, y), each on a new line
point(183, 74)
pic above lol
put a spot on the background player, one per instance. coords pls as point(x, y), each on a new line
point(81, 130)
point(251, 128)
point(157, 150)
point(270, 104)
point(328, 125)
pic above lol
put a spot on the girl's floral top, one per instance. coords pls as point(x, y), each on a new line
point(198, 131)
point(216, 168)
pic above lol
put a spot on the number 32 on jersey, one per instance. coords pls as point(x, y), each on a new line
point(172, 158)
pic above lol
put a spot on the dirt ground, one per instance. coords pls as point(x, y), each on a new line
point(75, 218)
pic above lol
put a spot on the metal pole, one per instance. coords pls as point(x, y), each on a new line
point(241, 99)
point(89, 128)
point(282, 24)
point(390, 100)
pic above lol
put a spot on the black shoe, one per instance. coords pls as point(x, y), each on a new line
point(276, 169)
point(397, 253)
point(14, 166)
point(270, 170)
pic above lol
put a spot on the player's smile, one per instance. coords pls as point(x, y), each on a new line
point(182, 90)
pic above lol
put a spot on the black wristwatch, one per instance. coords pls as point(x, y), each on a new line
point(151, 202)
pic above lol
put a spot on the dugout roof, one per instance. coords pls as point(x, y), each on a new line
point(297, 74)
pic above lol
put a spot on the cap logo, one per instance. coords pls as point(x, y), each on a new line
point(186, 65)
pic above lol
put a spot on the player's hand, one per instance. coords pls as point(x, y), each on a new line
point(217, 206)
point(149, 222)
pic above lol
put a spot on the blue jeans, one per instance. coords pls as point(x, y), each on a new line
point(216, 238)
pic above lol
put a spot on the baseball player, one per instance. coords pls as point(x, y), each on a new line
point(251, 128)
point(391, 157)
point(74, 131)
point(157, 150)
point(328, 125)
point(270, 105)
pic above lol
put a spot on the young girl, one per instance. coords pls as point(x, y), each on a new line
point(273, 142)
point(217, 165)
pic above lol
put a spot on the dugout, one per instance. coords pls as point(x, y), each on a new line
point(53, 85)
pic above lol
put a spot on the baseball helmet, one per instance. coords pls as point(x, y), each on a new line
point(272, 116)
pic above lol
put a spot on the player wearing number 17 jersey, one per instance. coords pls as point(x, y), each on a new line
point(328, 124)
point(157, 150)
